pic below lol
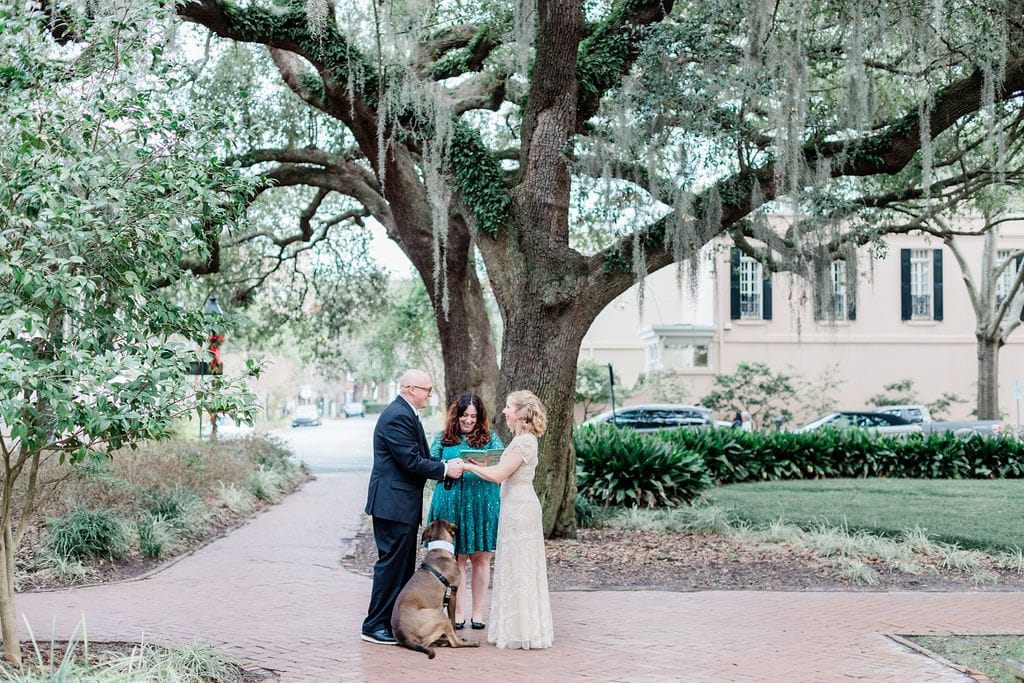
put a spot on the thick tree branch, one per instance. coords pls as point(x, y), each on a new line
point(455, 51)
point(608, 53)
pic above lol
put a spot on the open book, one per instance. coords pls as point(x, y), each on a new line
point(483, 456)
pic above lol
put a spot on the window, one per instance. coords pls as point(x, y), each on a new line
point(677, 348)
point(832, 300)
point(838, 289)
point(750, 288)
point(1006, 279)
point(921, 284)
point(750, 291)
point(680, 355)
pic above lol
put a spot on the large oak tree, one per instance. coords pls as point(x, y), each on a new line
point(481, 127)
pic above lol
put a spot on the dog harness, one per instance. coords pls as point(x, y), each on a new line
point(448, 588)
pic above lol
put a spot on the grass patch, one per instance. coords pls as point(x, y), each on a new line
point(982, 653)
point(973, 514)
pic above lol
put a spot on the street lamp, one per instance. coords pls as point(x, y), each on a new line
point(213, 311)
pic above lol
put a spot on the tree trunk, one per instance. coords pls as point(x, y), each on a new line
point(8, 615)
point(539, 352)
point(467, 344)
point(988, 377)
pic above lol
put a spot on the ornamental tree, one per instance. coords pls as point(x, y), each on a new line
point(105, 190)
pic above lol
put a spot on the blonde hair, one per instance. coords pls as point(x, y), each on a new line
point(530, 411)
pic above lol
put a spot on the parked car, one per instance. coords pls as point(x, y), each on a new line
point(655, 416)
point(883, 423)
point(228, 428)
point(306, 416)
point(354, 409)
point(963, 428)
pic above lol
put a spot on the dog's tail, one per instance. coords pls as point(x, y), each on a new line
point(419, 648)
point(405, 642)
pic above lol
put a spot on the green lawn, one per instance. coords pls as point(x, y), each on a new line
point(977, 514)
point(983, 653)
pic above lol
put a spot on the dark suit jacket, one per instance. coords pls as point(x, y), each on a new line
point(401, 465)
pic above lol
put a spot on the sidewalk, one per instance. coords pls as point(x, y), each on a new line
point(273, 594)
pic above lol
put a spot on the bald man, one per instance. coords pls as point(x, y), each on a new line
point(401, 466)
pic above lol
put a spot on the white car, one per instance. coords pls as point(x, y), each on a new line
point(354, 409)
point(883, 423)
point(227, 428)
point(306, 416)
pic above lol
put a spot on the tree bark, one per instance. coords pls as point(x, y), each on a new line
point(8, 614)
point(988, 377)
point(467, 344)
point(534, 357)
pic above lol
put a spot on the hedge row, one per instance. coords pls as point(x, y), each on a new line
point(619, 466)
point(733, 456)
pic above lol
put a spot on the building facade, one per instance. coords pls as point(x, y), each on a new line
point(906, 315)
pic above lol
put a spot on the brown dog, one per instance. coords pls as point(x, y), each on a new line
point(418, 620)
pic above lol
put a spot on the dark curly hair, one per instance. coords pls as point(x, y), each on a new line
point(481, 434)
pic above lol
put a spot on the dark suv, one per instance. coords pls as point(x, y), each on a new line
point(655, 416)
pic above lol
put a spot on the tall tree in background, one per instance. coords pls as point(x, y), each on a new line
point(969, 198)
point(105, 188)
point(483, 122)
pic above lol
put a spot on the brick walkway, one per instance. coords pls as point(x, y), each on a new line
point(273, 594)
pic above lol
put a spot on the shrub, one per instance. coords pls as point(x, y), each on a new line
point(267, 484)
point(156, 535)
point(85, 534)
point(620, 467)
point(235, 499)
point(171, 505)
point(584, 511)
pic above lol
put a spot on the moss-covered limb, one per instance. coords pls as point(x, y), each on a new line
point(893, 147)
point(287, 27)
point(611, 48)
point(460, 59)
point(478, 177)
point(731, 198)
point(307, 85)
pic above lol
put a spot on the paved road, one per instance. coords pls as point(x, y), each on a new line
point(341, 445)
point(273, 595)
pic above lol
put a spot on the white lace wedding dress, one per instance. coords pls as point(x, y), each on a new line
point(520, 607)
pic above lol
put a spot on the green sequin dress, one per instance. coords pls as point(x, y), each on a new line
point(472, 504)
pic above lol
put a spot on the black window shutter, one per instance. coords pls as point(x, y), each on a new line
point(766, 297)
point(904, 284)
point(1019, 260)
point(734, 284)
point(937, 284)
point(819, 290)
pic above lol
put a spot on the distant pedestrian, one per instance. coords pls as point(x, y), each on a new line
point(745, 423)
point(737, 421)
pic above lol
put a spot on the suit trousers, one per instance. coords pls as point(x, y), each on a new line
point(396, 563)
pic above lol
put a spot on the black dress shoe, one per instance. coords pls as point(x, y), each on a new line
point(459, 625)
point(477, 625)
point(381, 636)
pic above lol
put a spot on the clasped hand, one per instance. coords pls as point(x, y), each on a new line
point(455, 468)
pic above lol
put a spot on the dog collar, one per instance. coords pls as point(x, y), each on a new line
point(441, 545)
